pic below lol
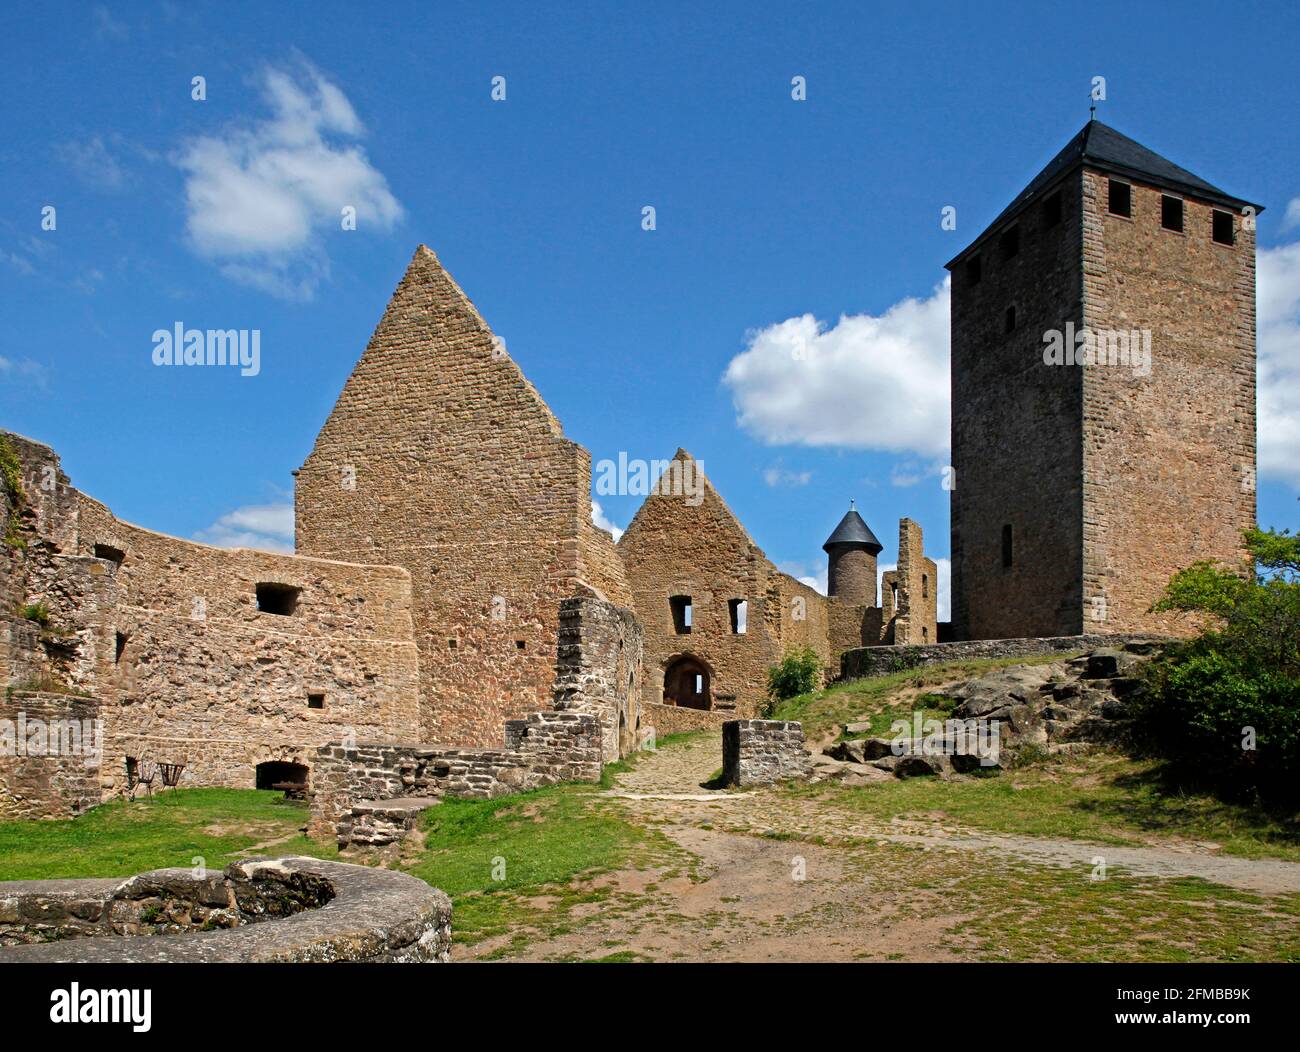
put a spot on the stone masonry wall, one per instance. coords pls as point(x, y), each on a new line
point(599, 670)
point(168, 637)
point(911, 617)
point(205, 677)
point(873, 661)
point(543, 749)
point(49, 755)
point(1016, 427)
point(696, 547)
point(441, 457)
point(1169, 458)
point(760, 752)
point(687, 542)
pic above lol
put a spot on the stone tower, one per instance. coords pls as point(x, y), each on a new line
point(1103, 393)
point(851, 572)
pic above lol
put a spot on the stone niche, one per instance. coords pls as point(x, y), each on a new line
point(286, 909)
point(760, 752)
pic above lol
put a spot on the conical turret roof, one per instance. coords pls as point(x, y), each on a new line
point(853, 531)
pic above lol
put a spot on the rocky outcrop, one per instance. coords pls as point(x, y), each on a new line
point(1058, 707)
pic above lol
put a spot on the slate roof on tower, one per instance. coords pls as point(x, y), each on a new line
point(853, 530)
point(1100, 146)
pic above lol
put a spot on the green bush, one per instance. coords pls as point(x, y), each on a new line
point(1226, 705)
point(799, 672)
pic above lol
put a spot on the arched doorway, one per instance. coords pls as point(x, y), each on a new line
point(686, 683)
point(275, 774)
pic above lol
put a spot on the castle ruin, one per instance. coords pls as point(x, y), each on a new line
point(453, 620)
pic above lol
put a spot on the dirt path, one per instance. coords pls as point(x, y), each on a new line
point(667, 785)
point(783, 877)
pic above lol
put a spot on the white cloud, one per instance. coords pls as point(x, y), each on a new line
point(943, 598)
point(259, 195)
point(93, 163)
point(600, 519)
point(1278, 279)
point(817, 583)
point(865, 383)
point(265, 526)
point(776, 475)
point(909, 472)
point(1292, 218)
point(24, 370)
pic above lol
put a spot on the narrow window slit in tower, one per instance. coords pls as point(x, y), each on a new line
point(1171, 213)
point(1222, 229)
point(1120, 198)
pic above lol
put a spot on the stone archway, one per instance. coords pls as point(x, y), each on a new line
point(273, 773)
point(688, 683)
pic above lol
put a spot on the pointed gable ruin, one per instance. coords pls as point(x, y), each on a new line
point(442, 458)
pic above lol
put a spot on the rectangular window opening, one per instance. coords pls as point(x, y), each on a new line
point(1006, 546)
point(1120, 200)
point(1171, 213)
point(1010, 242)
point(107, 551)
point(1052, 210)
point(682, 613)
point(281, 599)
point(1011, 319)
point(119, 647)
point(1223, 228)
point(974, 270)
point(315, 701)
point(520, 644)
point(739, 611)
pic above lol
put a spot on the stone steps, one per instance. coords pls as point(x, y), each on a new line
point(377, 823)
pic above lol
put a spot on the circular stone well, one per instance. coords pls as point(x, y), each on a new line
point(278, 909)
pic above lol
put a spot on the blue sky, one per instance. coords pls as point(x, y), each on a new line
point(222, 213)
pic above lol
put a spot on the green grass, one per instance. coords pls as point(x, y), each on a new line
point(526, 860)
point(821, 712)
point(930, 706)
point(1103, 796)
point(1050, 913)
point(123, 837)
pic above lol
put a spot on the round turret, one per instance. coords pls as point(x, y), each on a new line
point(852, 548)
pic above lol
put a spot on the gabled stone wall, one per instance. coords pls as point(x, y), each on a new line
point(442, 458)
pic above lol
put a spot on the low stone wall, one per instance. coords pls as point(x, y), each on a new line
point(288, 909)
point(678, 719)
point(875, 661)
point(760, 752)
point(51, 754)
point(545, 748)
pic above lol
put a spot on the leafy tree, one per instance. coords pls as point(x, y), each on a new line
point(1227, 703)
